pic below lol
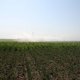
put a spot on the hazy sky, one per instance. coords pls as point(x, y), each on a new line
point(40, 19)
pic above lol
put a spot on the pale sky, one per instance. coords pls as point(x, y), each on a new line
point(40, 19)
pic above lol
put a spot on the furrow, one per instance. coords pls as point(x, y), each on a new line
point(35, 75)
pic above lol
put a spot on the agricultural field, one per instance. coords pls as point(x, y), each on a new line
point(39, 60)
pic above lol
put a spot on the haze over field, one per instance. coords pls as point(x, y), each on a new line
point(40, 20)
